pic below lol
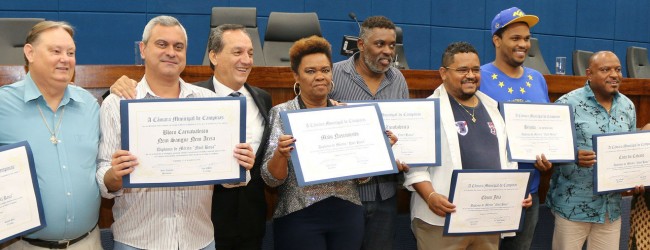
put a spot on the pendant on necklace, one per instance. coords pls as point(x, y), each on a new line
point(473, 119)
point(54, 140)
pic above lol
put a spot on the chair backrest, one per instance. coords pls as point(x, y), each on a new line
point(243, 16)
point(283, 30)
point(581, 62)
point(637, 62)
point(535, 60)
point(401, 62)
point(12, 40)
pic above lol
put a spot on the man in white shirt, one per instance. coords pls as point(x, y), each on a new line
point(167, 217)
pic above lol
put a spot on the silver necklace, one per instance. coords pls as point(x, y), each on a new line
point(57, 128)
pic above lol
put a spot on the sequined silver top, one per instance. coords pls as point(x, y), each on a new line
point(291, 197)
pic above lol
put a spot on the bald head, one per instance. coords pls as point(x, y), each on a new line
point(599, 55)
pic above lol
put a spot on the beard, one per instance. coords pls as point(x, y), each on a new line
point(374, 65)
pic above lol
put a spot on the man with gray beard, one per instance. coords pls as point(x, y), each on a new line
point(369, 75)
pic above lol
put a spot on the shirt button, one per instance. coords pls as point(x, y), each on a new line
point(69, 193)
point(63, 166)
point(69, 220)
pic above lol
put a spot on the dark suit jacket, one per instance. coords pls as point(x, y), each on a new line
point(240, 213)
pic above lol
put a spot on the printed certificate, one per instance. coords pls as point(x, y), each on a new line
point(338, 143)
point(487, 201)
point(21, 210)
point(416, 123)
point(622, 161)
point(534, 129)
point(183, 142)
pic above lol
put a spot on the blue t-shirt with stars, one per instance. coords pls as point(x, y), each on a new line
point(530, 87)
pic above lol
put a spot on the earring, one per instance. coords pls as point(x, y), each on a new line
point(294, 88)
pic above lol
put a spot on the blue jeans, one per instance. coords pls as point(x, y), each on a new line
point(380, 223)
point(121, 246)
point(525, 237)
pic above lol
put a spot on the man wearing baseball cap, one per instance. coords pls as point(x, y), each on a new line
point(506, 79)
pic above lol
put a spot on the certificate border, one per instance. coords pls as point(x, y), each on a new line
point(454, 179)
point(124, 121)
point(294, 153)
point(436, 102)
point(594, 143)
point(573, 130)
point(37, 191)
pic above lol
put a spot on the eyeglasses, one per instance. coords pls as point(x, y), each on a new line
point(466, 70)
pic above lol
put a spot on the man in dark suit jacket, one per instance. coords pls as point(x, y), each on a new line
point(238, 209)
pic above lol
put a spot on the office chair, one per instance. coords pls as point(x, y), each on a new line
point(283, 30)
point(12, 40)
point(637, 62)
point(581, 62)
point(400, 55)
point(243, 16)
point(535, 60)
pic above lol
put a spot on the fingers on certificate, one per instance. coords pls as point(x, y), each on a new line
point(586, 158)
point(122, 163)
point(542, 163)
point(440, 205)
point(285, 145)
point(245, 156)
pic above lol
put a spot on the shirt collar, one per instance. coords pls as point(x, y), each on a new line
point(32, 92)
point(222, 90)
point(143, 89)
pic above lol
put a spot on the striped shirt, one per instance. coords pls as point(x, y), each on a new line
point(154, 218)
point(349, 85)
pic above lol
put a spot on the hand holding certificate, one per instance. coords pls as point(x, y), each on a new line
point(535, 129)
point(338, 143)
point(622, 161)
point(21, 211)
point(183, 142)
point(487, 201)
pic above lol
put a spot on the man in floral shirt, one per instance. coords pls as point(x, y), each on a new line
point(598, 108)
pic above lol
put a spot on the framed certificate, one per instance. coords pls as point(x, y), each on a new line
point(487, 201)
point(338, 143)
point(183, 142)
point(622, 161)
point(416, 123)
point(21, 209)
point(539, 128)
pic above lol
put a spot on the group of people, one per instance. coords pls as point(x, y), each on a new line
point(76, 145)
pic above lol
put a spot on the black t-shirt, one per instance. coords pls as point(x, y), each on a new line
point(479, 146)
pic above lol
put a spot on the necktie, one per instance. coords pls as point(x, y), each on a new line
point(235, 94)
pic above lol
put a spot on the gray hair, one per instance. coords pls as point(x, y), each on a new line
point(215, 41)
point(166, 21)
point(374, 22)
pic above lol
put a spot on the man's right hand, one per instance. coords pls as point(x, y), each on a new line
point(122, 163)
point(440, 205)
point(124, 87)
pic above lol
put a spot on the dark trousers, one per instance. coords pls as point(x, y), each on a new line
point(330, 224)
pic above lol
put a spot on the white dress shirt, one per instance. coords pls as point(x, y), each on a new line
point(254, 122)
point(154, 218)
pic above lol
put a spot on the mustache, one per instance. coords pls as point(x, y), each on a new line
point(469, 80)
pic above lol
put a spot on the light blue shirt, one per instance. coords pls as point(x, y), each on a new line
point(65, 171)
point(571, 192)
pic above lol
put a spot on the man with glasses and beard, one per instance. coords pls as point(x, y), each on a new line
point(473, 136)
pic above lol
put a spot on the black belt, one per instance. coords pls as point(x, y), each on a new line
point(61, 244)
